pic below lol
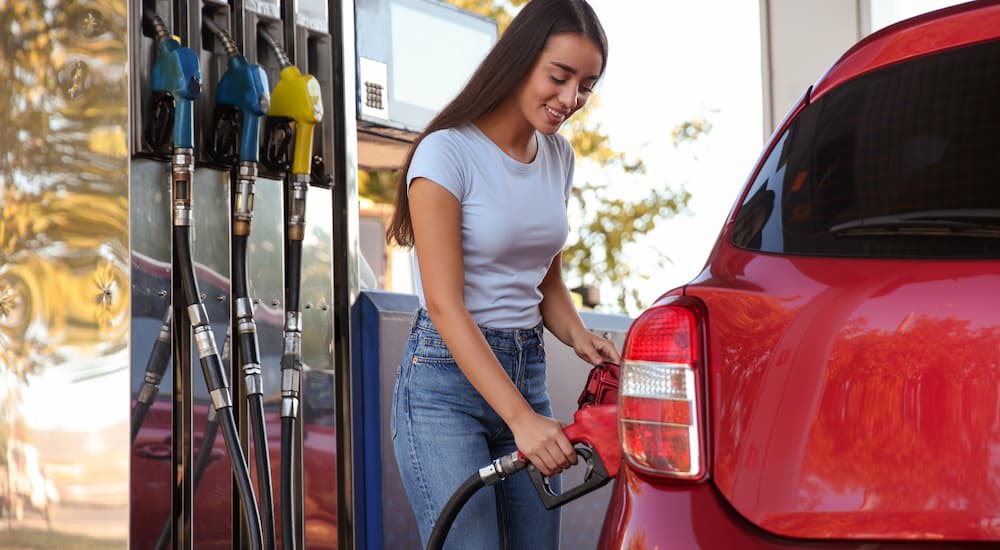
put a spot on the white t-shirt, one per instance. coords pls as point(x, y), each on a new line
point(513, 217)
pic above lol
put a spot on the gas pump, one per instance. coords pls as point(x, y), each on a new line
point(242, 98)
point(297, 100)
point(176, 78)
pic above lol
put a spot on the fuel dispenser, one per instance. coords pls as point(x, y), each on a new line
point(173, 118)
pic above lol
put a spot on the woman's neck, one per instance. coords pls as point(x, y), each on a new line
point(510, 132)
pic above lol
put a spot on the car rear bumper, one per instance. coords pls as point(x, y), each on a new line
point(647, 515)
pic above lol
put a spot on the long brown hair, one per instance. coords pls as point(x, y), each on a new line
point(498, 75)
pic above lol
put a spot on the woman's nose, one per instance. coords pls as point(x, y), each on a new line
point(568, 98)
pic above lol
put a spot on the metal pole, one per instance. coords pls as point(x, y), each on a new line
point(345, 256)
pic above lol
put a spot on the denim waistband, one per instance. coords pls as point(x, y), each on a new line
point(507, 337)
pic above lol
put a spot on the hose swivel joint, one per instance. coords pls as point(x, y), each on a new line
point(182, 172)
point(501, 468)
point(150, 388)
point(297, 207)
point(252, 374)
point(291, 365)
point(290, 384)
point(159, 27)
point(154, 372)
point(246, 177)
point(278, 50)
point(227, 41)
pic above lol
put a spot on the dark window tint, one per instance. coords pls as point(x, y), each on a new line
point(902, 162)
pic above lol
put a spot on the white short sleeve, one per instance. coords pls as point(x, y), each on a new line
point(438, 158)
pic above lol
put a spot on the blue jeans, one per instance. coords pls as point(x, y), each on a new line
point(443, 431)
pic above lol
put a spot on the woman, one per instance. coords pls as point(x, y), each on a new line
point(482, 198)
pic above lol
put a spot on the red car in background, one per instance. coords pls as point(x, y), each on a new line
point(831, 379)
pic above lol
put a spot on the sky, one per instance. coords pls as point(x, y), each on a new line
point(667, 63)
point(671, 61)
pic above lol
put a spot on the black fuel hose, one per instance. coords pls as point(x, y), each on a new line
point(496, 471)
point(156, 365)
point(293, 274)
point(215, 379)
point(205, 450)
point(288, 537)
point(250, 363)
point(451, 510)
point(291, 372)
point(263, 458)
point(201, 461)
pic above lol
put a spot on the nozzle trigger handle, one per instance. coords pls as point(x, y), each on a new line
point(595, 477)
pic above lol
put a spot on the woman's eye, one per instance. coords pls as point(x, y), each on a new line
point(586, 90)
point(558, 80)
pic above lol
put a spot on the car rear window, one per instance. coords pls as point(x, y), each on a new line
point(901, 162)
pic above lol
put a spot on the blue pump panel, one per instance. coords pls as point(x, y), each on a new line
point(384, 517)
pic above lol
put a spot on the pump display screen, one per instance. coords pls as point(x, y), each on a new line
point(414, 56)
point(432, 56)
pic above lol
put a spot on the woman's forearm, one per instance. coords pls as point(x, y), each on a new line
point(558, 310)
point(563, 320)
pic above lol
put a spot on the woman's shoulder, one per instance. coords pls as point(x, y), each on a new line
point(446, 144)
point(448, 137)
point(559, 144)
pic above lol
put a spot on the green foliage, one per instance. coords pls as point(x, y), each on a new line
point(596, 253)
point(379, 186)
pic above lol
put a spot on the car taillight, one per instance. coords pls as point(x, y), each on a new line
point(660, 396)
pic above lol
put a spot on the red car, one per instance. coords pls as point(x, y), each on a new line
point(831, 379)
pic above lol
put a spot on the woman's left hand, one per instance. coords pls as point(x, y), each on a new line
point(595, 349)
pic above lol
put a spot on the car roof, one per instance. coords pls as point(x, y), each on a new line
point(931, 32)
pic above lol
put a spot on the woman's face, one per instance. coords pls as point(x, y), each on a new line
point(560, 82)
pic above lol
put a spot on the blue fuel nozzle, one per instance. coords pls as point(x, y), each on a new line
point(243, 86)
point(177, 72)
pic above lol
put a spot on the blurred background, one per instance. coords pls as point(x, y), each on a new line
point(691, 92)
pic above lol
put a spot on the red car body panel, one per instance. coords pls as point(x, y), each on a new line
point(648, 514)
point(855, 398)
point(853, 402)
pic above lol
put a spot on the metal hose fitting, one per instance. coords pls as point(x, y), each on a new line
point(159, 27)
point(283, 59)
point(182, 171)
point(246, 177)
point(227, 41)
point(297, 207)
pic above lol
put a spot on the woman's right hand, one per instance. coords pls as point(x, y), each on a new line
point(542, 441)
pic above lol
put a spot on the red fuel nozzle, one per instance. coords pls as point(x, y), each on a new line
point(594, 434)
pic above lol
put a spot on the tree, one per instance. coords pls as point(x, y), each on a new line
point(595, 254)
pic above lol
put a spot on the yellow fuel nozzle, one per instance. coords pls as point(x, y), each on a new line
point(297, 96)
